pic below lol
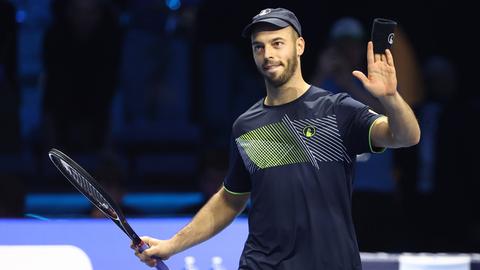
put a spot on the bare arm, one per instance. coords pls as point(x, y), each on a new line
point(214, 216)
point(400, 128)
point(217, 214)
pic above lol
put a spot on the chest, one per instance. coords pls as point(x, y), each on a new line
point(292, 139)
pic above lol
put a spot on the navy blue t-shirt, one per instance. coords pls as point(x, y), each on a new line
point(297, 160)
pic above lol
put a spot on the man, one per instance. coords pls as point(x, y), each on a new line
point(292, 154)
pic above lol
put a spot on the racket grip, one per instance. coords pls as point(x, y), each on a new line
point(160, 264)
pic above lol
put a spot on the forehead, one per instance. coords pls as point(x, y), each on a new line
point(265, 32)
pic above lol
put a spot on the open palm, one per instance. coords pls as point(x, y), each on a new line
point(381, 79)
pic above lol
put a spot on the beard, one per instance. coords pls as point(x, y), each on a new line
point(290, 68)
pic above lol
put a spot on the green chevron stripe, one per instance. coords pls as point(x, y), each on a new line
point(272, 145)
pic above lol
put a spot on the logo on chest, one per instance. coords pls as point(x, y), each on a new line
point(309, 131)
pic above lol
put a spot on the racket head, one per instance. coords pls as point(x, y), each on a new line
point(91, 189)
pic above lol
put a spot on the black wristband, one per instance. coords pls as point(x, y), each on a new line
point(383, 33)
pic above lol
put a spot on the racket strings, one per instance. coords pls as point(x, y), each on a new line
point(88, 188)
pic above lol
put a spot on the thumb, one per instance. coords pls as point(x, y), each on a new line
point(360, 76)
point(150, 242)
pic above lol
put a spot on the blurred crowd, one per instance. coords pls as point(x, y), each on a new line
point(143, 94)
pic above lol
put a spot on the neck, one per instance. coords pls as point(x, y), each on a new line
point(289, 91)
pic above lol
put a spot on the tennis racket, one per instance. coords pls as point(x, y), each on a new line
point(90, 188)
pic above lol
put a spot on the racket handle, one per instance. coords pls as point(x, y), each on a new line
point(160, 264)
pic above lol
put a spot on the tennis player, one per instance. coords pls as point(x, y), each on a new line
point(293, 156)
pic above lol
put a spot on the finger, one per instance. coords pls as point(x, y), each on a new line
point(142, 256)
point(370, 59)
point(359, 75)
point(389, 57)
point(378, 57)
point(133, 246)
point(383, 58)
point(152, 263)
point(149, 261)
point(148, 252)
point(146, 239)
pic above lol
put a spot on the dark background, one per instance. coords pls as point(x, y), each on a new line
point(152, 95)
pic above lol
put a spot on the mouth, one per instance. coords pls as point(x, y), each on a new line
point(271, 68)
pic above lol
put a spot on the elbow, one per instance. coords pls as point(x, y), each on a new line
point(417, 135)
point(413, 139)
point(406, 140)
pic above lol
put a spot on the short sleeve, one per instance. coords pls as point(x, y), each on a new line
point(237, 180)
point(356, 121)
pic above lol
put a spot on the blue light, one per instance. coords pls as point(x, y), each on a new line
point(173, 4)
point(21, 16)
point(36, 217)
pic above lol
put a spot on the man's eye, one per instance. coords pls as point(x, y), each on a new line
point(257, 48)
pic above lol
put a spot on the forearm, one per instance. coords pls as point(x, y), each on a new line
point(403, 125)
point(214, 216)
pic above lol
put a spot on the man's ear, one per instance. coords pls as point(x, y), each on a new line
point(300, 46)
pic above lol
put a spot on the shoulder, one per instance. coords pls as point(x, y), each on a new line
point(340, 100)
point(249, 115)
point(340, 104)
point(320, 94)
point(323, 99)
point(316, 92)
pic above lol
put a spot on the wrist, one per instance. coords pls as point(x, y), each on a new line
point(390, 100)
point(175, 245)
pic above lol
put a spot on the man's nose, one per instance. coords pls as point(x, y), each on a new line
point(268, 52)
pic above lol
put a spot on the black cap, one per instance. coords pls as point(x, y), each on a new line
point(276, 16)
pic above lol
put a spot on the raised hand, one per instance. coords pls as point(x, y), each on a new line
point(381, 80)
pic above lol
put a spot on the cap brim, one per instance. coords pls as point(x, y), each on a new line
point(273, 21)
